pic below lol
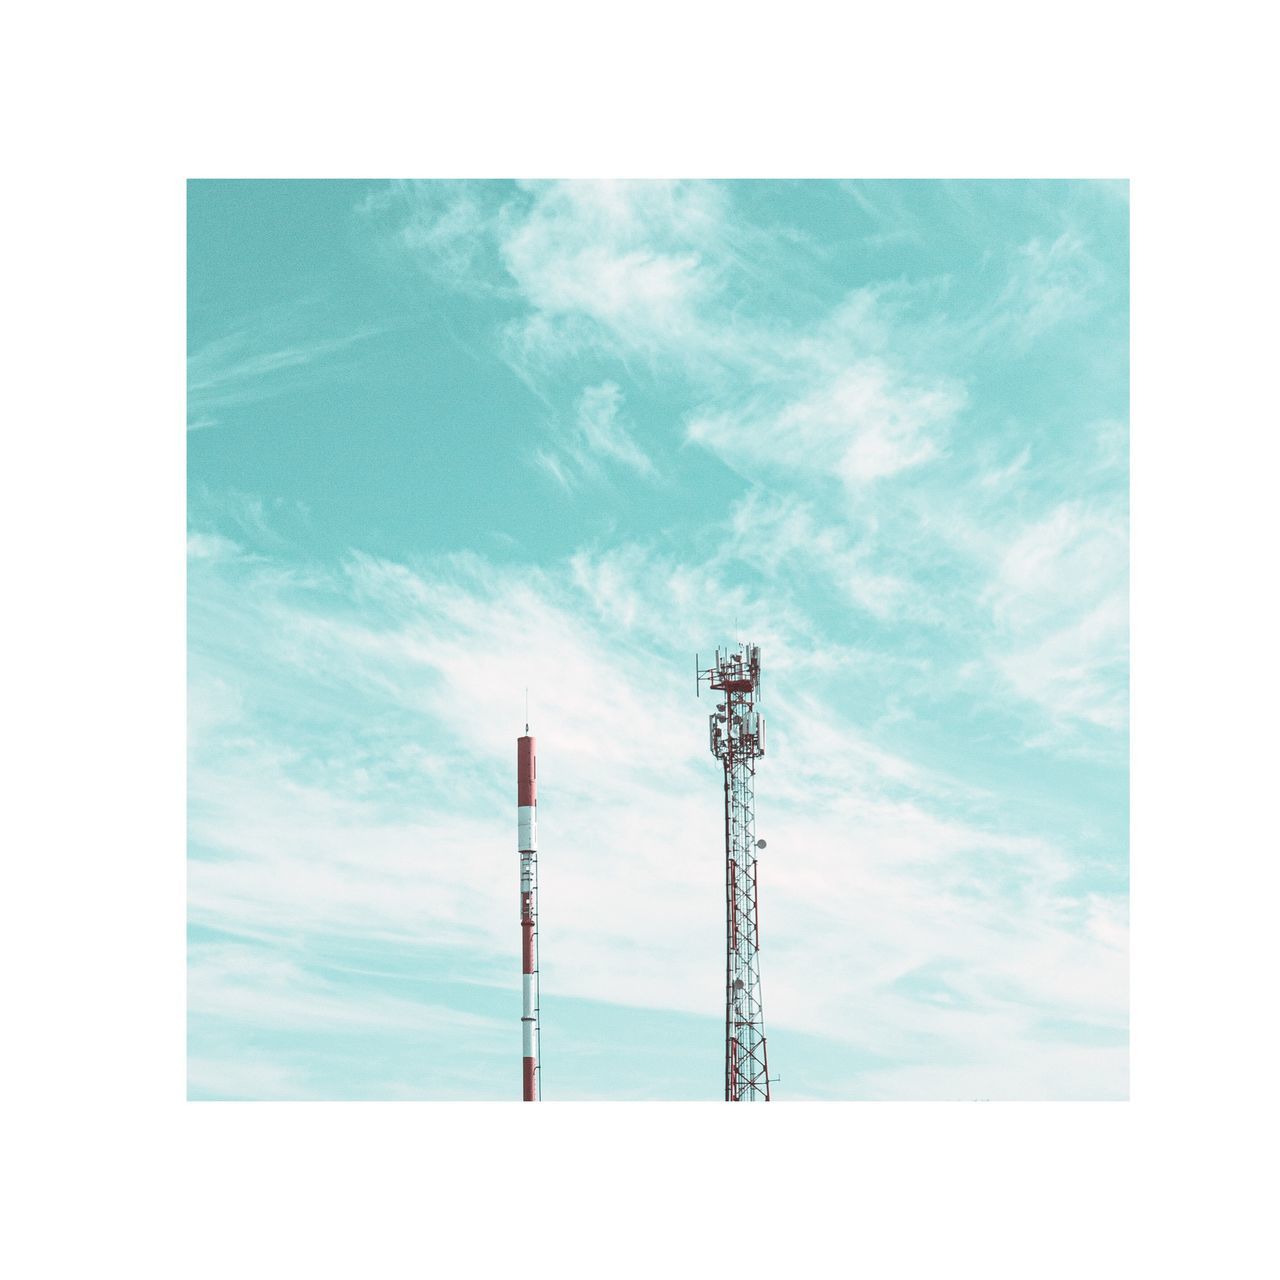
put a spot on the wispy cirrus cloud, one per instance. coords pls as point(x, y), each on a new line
point(323, 832)
point(630, 256)
point(1050, 282)
point(246, 366)
point(254, 1001)
point(862, 426)
point(598, 438)
point(795, 380)
point(648, 274)
point(1000, 476)
point(782, 533)
point(854, 460)
point(211, 546)
point(1061, 607)
point(653, 275)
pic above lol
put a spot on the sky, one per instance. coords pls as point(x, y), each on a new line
point(451, 440)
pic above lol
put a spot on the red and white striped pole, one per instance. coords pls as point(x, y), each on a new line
point(527, 825)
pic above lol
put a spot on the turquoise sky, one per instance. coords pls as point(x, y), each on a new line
point(449, 440)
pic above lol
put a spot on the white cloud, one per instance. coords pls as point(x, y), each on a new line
point(778, 532)
point(316, 828)
point(653, 274)
point(448, 230)
point(618, 266)
point(624, 254)
point(864, 425)
point(260, 988)
point(641, 273)
point(211, 546)
point(247, 366)
point(358, 785)
point(999, 477)
point(1060, 603)
point(599, 435)
point(603, 431)
point(1049, 283)
point(245, 1075)
point(268, 1022)
point(553, 466)
point(1079, 671)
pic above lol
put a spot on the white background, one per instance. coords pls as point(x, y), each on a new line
point(110, 109)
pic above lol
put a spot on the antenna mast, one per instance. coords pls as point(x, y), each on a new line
point(737, 741)
point(527, 838)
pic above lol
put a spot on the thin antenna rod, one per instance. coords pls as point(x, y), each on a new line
point(526, 708)
point(527, 833)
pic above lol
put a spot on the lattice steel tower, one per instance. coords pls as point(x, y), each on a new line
point(737, 740)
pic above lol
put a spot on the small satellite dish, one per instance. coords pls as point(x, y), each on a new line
point(762, 844)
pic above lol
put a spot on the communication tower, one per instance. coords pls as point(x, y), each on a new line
point(527, 839)
point(737, 741)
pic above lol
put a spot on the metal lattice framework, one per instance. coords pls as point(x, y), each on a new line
point(737, 741)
